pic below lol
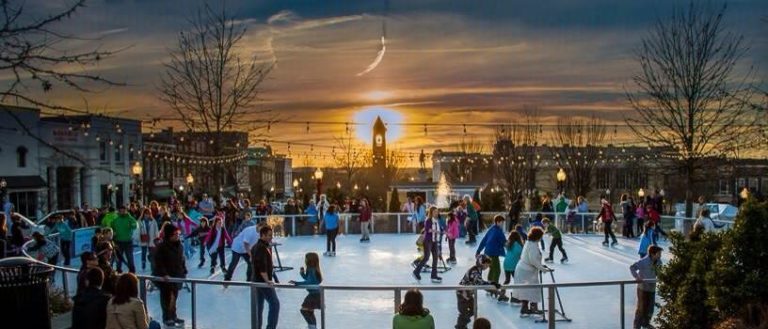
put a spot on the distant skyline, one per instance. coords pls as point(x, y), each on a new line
point(445, 61)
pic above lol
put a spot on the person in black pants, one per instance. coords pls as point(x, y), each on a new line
point(261, 256)
point(607, 216)
point(170, 263)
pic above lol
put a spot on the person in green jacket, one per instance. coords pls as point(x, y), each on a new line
point(412, 313)
point(124, 225)
point(109, 217)
point(557, 241)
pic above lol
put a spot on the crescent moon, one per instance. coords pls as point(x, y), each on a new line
point(378, 59)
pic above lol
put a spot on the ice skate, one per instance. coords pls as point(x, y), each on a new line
point(416, 275)
point(535, 309)
point(213, 269)
point(605, 243)
point(564, 260)
point(437, 279)
point(548, 260)
point(327, 253)
point(614, 243)
point(333, 254)
point(514, 301)
point(503, 297)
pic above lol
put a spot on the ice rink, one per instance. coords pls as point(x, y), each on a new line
point(386, 261)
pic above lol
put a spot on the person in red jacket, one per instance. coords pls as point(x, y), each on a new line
point(653, 216)
point(365, 218)
point(607, 216)
point(215, 243)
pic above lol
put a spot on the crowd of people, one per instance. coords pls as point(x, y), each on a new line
point(168, 237)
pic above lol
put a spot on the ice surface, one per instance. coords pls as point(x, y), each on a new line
point(386, 261)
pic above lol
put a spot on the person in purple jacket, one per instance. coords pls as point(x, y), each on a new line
point(432, 233)
point(493, 244)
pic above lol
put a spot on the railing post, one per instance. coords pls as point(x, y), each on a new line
point(373, 224)
point(322, 308)
point(255, 316)
point(398, 223)
point(293, 226)
point(621, 311)
point(64, 283)
point(143, 292)
point(551, 307)
point(346, 224)
point(474, 307)
point(194, 305)
point(398, 298)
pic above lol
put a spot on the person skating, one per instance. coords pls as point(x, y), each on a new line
point(557, 241)
point(514, 248)
point(607, 217)
point(451, 234)
point(200, 233)
point(261, 258)
point(645, 269)
point(215, 241)
point(148, 231)
point(527, 272)
point(464, 298)
point(366, 213)
point(472, 220)
point(648, 238)
point(493, 246)
point(431, 238)
point(312, 276)
point(169, 263)
point(241, 248)
point(331, 222)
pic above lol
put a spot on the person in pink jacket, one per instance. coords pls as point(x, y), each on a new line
point(215, 243)
point(451, 234)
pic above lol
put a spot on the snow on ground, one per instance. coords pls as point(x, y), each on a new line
point(386, 261)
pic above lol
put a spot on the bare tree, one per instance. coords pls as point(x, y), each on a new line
point(350, 157)
point(207, 81)
point(462, 169)
point(395, 163)
point(33, 52)
point(688, 94)
point(516, 156)
point(577, 149)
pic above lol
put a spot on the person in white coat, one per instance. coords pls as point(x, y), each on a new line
point(322, 206)
point(527, 272)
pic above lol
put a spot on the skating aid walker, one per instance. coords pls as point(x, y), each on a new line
point(561, 311)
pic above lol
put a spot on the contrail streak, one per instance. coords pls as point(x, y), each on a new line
point(378, 59)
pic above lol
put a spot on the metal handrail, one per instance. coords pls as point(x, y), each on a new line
point(322, 288)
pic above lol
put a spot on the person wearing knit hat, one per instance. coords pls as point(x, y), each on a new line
point(169, 263)
point(607, 217)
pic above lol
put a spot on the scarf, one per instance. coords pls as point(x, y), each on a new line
point(215, 245)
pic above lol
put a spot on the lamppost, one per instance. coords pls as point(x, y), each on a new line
point(319, 178)
point(3, 190)
point(561, 180)
point(295, 187)
point(190, 182)
point(137, 188)
point(111, 190)
point(608, 194)
point(641, 194)
point(744, 194)
point(183, 200)
point(271, 193)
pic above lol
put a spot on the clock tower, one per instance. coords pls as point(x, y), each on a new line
point(379, 146)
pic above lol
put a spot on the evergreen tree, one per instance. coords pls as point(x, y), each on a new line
point(683, 286)
point(739, 280)
point(394, 202)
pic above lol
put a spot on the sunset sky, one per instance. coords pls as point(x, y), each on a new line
point(445, 61)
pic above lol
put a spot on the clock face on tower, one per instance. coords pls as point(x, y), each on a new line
point(379, 140)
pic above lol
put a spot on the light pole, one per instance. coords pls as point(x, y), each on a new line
point(561, 180)
point(190, 182)
point(641, 194)
point(319, 178)
point(744, 195)
point(608, 194)
point(295, 187)
point(137, 188)
point(3, 191)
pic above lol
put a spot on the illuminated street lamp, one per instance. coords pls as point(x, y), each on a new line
point(137, 170)
point(190, 181)
point(3, 186)
point(744, 194)
point(295, 187)
point(338, 185)
point(561, 180)
point(641, 193)
point(319, 178)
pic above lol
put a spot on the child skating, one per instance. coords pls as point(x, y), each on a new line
point(465, 298)
point(452, 233)
point(557, 241)
point(493, 246)
point(312, 276)
point(514, 248)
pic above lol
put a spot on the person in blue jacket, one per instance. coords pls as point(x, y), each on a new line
point(312, 276)
point(331, 222)
point(648, 239)
point(312, 218)
point(493, 244)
